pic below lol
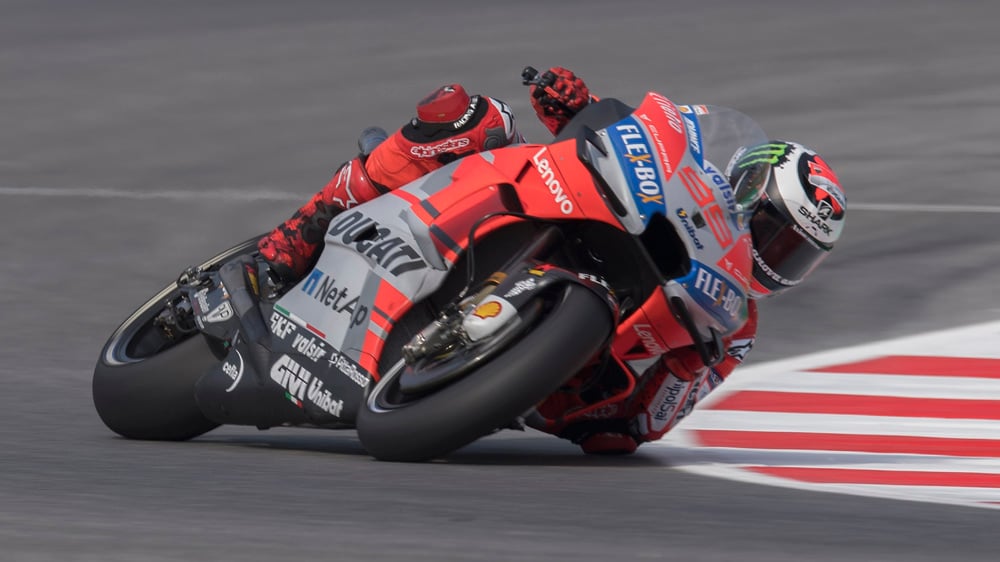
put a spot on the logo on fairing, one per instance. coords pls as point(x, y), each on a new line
point(348, 368)
point(294, 378)
point(694, 139)
point(281, 326)
point(489, 309)
point(521, 286)
point(648, 339)
point(234, 371)
point(716, 295)
point(691, 232)
point(324, 289)
point(309, 347)
point(221, 313)
point(375, 242)
point(631, 143)
point(299, 385)
point(544, 169)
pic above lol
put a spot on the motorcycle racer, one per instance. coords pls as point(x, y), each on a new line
point(449, 125)
point(794, 201)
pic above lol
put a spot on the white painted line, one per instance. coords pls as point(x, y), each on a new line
point(914, 208)
point(909, 386)
point(240, 195)
point(843, 424)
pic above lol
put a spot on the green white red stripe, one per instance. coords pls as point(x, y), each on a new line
point(300, 322)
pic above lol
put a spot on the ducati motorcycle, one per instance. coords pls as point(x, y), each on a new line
point(449, 308)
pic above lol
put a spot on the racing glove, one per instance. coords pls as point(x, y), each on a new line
point(557, 97)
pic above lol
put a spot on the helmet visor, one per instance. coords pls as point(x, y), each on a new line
point(785, 253)
point(750, 185)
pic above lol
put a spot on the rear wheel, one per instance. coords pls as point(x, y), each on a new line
point(395, 426)
point(144, 381)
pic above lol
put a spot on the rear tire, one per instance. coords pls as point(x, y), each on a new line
point(143, 396)
point(533, 367)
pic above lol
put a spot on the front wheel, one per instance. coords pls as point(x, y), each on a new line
point(144, 381)
point(571, 330)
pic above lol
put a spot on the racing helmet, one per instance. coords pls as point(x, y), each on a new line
point(796, 211)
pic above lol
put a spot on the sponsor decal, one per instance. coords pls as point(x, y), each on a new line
point(281, 326)
point(770, 272)
point(817, 222)
point(432, 150)
point(521, 286)
point(344, 182)
point(221, 313)
point(632, 146)
point(774, 154)
point(667, 402)
point(473, 103)
point(348, 368)
point(722, 183)
point(391, 253)
point(544, 169)
point(691, 232)
point(323, 288)
point(202, 298)
point(670, 111)
point(291, 376)
point(696, 109)
point(299, 385)
point(648, 338)
point(720, 292)
point(487, 310)
point(738, 349)
point(694, 139)
point(594, 279)
point(234, 370)
point(309, 346)
point(323, 399)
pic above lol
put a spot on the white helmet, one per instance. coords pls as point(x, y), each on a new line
point(798, 211)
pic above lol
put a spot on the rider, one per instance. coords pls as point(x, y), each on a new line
point(449, 125)
point(798, 213)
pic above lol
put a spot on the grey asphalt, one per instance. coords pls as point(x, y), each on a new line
point(131, 134)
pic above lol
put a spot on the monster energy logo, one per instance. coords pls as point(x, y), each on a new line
point(772, 154)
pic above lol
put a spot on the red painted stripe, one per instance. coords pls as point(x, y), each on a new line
point(414, 202)
point(916, 365)
point(316, 331)
point(898, 444)
point(850, 404)
point(889, 477)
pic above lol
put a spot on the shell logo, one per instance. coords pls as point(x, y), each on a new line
point(487, 310)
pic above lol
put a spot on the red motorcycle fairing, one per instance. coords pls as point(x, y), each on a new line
point(383, 256)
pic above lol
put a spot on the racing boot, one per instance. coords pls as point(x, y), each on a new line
point(293, 247)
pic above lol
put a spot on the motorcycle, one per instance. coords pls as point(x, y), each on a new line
point(448, 309)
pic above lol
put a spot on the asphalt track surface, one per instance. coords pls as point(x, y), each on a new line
point(137, 138)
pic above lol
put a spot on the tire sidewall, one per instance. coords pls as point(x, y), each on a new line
point(506, 387)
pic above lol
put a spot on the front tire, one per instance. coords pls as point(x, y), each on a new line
point(143, 386)
point(530, 369)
